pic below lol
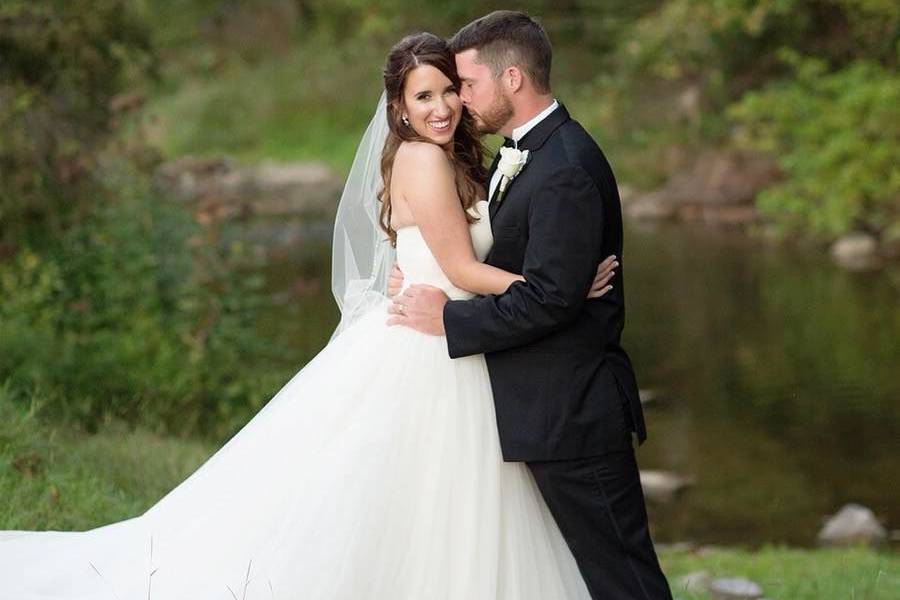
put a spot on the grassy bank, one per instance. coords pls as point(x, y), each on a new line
point(794, 574)
point(52, 477)
point(302, 104)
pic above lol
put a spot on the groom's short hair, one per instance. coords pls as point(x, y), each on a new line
point(507, 38)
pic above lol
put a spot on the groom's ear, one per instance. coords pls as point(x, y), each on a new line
point(512, 79)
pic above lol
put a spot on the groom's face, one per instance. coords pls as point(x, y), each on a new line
point(481, 94)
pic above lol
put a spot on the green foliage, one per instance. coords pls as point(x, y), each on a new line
point(814, 83)
point(837, 138)
point(734, 45)
point(115, 303)
point(121, 318)
point(62, 64)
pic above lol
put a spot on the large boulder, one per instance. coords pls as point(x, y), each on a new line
point(219, 189)
point(720, 187)
point(285, 188)
point(857, 250)
point(653, 206)
point(853, 525)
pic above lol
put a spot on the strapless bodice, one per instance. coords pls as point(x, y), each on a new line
point(419, 265)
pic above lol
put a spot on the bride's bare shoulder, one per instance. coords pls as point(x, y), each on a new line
point(417, 156)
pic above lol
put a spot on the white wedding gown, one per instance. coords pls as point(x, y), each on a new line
point(374, 473)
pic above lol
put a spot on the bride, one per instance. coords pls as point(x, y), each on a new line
point(375, 472)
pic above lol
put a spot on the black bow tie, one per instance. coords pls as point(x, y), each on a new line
point(509, 143)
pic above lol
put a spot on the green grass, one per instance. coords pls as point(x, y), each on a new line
point(795, 574)
point(303, 104)
point(53, 477)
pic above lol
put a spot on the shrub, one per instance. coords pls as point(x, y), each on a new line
point(837, 138)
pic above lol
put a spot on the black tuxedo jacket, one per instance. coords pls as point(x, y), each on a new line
point(563, 385)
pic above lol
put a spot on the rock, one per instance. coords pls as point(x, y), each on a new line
point(648, 397)
point(278, 176)
point(655, 206)
point(695, 582)
point(735, 589)
point(725, 177)
point(291, 187)
point(856, 250)
point(853, 525)
point(222, 190)
point(720, 187)
point(719, 215)
point(663, 486)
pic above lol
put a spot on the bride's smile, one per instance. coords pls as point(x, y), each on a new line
point(431, 104)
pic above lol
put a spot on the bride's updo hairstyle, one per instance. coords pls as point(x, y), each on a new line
point(466, 153)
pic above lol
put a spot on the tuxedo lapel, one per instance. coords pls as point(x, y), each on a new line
point(532, 141)
point(507, 142)
point(490, 176)
point(493, 168)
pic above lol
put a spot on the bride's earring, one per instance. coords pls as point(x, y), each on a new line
point(405, 120)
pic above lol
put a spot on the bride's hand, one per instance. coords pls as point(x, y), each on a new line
point(605, 272)
point(395, 281)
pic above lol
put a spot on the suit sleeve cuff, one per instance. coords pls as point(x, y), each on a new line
point(453, 329)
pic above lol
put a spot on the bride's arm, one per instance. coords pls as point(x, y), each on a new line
point(429, 189)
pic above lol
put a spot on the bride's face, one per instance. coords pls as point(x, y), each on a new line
point(432, 104)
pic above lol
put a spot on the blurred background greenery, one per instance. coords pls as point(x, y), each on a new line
point(137, 331)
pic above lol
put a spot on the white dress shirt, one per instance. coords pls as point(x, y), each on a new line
point(517, 134)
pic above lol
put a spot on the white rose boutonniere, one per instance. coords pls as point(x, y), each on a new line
point(512, 160)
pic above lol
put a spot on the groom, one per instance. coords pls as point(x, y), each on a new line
point(565, 393)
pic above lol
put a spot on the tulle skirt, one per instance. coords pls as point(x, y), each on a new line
point(374, 473)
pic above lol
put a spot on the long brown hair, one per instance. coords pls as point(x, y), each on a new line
point(466, 154)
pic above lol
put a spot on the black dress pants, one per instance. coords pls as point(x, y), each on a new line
point(599, 506)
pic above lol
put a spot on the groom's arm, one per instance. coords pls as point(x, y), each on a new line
point(565, 222)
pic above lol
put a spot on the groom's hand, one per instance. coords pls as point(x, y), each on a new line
point(420, 307)
point(605, 271)
point(395, 281)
